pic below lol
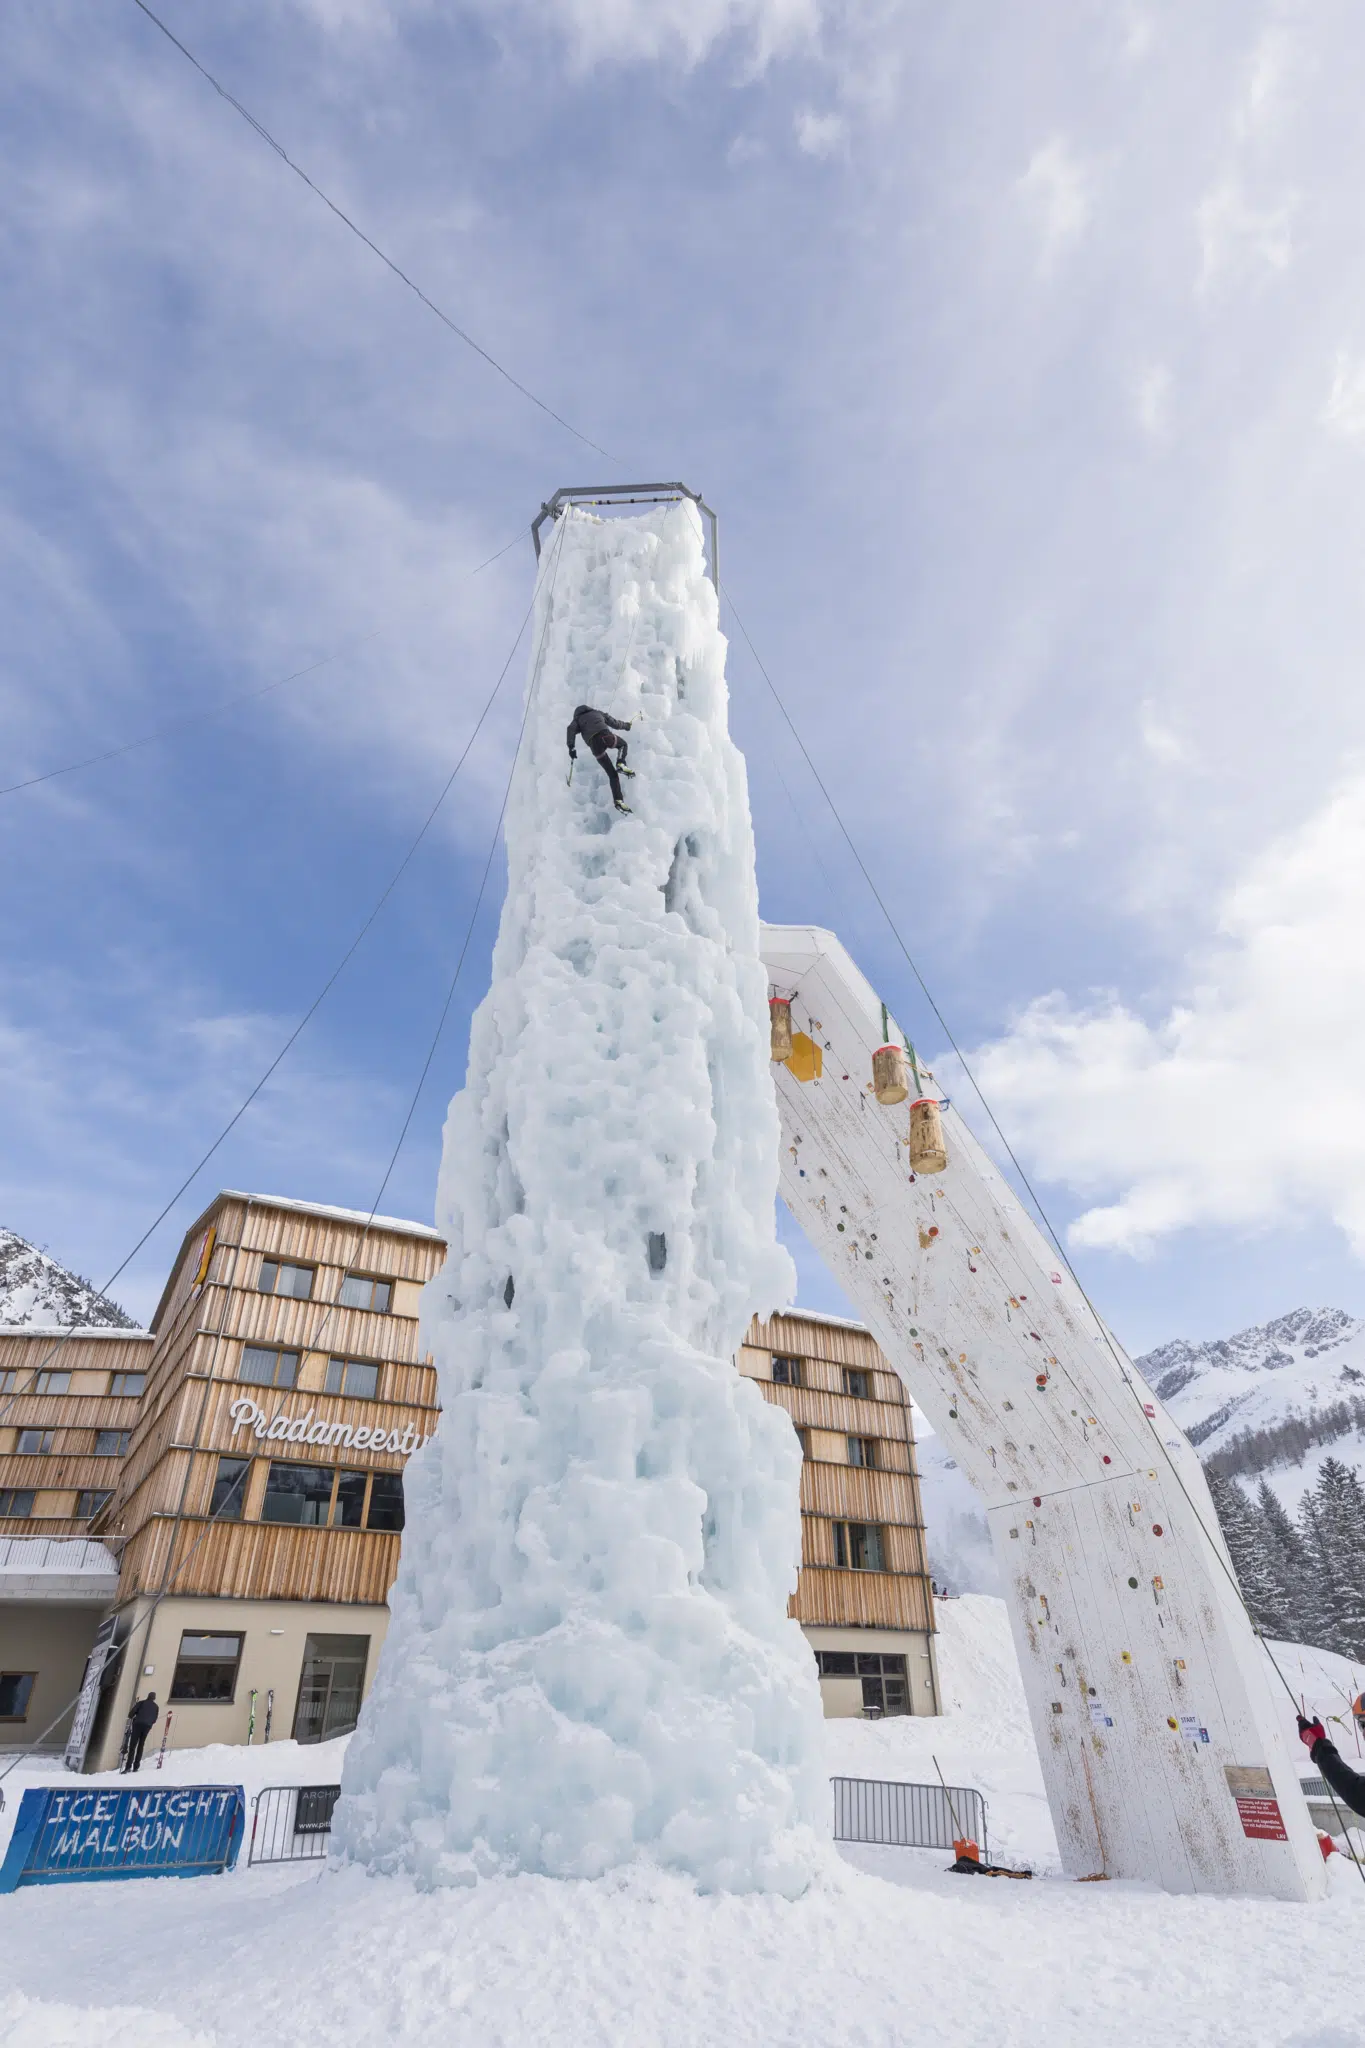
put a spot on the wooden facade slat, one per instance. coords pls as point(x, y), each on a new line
point(260, 1561)
point(838, 1412)
point(840, 1599)
point(856, 1494)
point(29, 1350)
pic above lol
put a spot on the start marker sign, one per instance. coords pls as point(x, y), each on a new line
point(67, 1834)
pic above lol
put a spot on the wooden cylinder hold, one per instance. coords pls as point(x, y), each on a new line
point(780, 1027)
point(928, 1153)
point(890, 1082)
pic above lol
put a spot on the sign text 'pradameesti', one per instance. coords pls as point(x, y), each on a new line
point(283, 1428)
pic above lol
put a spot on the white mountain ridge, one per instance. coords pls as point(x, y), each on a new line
point(36, 1291)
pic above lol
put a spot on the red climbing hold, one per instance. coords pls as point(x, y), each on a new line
point(1107, 1459)
point(1157, 1529)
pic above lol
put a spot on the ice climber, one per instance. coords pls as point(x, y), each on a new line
point(599, 730)
point(1348, 1785)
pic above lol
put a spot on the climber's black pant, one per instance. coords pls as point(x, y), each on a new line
point(603, 744)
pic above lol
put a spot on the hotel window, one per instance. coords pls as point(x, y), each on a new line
point(277, 1278)
point(349, 1509)
point(803, 1438)
point(9, 1381)
point(858, 1547)
point(34, 1443)
point(127, 1382)
point(857, 1383)
point(862, 1450)
point(15, 1687)
point(17, 1501)
point(330, 1688)
point(300, 1494)
point(112, 1443)
point(91, 1500)
point(206, 1669)
point(350, 1376)
point(885, 1688)
point(358, 1292)
point(386, 1501)
point(229, 1489)
point(263, 1368)
point(786, 1372)
point(52, 1383)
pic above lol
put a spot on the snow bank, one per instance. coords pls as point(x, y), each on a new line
point(590, 1660)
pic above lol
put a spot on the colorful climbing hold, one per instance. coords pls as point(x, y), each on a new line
point(1157, 1529)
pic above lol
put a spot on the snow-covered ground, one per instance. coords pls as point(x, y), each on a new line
point(885, 1949)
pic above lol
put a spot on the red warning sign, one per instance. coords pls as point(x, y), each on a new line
point(1258, 1809)
point(1261, 1819)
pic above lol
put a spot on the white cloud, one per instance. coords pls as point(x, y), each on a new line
point(1161, 741)
point(1240, 240)
point(1152, 401)
point(820, 134)
point(1056, 189)
point(1344, 412)
point(672, 31)
point(1244, 1107)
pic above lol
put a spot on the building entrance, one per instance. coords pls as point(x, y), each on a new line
point(331, 1687)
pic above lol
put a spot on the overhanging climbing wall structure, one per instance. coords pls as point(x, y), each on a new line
point(1166, 1755)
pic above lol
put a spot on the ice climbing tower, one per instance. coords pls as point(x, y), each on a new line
point(590, 1659)
point(1166, 1755)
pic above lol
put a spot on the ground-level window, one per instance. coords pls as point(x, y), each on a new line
point(112, 1443)
point(229, 1489)
point(885, 1687)
point(386, 1501)
point(298, 1493)
point(859, 1547)
point(206, 1669)
point(787, 1372)
point(91, 1500)
point(15, 1687)
point(16, 1500)
point(331, 1685)
point(263, 1368)
point(352, 1376)
point(278, 1278)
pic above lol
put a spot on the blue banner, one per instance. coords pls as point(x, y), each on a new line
point(66, 1834)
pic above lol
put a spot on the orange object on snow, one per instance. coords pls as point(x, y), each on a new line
point(966, 1851)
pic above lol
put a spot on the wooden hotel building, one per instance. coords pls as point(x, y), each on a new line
point(215, 1505)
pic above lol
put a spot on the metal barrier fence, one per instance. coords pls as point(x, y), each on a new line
point(907, 1816)
point(291, 1823)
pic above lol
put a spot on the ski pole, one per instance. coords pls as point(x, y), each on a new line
point(165, 1738)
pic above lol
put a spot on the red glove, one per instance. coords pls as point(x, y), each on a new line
point(1311, 1732)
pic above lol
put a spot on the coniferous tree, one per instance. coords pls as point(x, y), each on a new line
point(1339, 1516)
point(1285, 1567)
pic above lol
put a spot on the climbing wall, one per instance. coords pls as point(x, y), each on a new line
point(1166, 1754)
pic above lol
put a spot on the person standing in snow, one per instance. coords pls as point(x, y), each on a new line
point(1348, 1785)
point(141, 1722)
point(599, 730)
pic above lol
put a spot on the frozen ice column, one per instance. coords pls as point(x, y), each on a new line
point(590, 1660)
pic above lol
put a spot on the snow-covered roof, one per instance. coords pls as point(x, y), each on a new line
point(73, 1330)
point(330, 1210)
point(56, 1568)
point(812, 1315)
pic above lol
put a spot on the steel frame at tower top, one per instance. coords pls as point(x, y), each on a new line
point(618, 495)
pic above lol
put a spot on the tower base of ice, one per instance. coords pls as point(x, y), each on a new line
point(590, 1660)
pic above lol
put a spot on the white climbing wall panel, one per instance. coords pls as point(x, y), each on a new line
point(1166, 1754)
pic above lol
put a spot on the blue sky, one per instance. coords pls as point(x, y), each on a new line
point(1022, 352)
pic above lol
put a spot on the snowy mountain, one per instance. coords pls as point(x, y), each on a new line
point(1272, 1401)
point(34, 1289)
